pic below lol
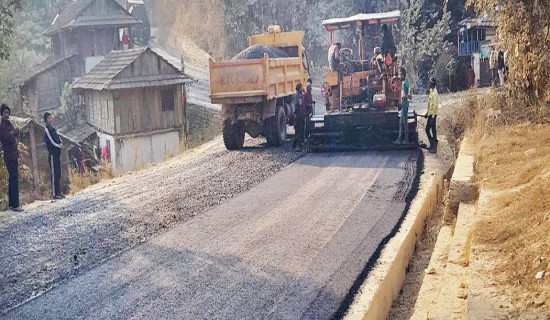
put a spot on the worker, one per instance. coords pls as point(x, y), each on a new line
point(501, 67)
point(309, 104)
point(471, 77)
point(431, 115)
point(55, 145)
point(388, 43)
point(377, 62)
point(493, 63)
point(403, 119)
point(334, 56)
point(8, 138)
point(300, 112)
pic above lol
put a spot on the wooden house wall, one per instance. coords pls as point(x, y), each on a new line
point(100, 110)
point(140, 110)
point(43, 91)
point(30, 106)
point(149, 64)
point(104, 8)
point(97, 42)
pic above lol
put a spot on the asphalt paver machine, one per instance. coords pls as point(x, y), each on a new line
point(363, 97)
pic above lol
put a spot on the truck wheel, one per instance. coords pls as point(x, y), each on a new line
point(233, 135)
point(276, 132)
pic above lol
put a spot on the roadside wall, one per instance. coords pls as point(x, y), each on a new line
point(205, 124)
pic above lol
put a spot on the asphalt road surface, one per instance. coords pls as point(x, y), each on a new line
point(291, 248)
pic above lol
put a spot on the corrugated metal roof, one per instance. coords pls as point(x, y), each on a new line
point(477, 22)
point(151, 81)
point(79, 133)
point(70, 17)
point(102, 76)
point(371, 18)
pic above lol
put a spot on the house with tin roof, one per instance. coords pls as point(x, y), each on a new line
point(134, 99)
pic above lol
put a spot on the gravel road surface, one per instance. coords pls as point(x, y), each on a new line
point(51, 242)
point(291, 248)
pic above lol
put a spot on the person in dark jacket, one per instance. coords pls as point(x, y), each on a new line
point(54, 144)
point(300, 121)
point(8, 138)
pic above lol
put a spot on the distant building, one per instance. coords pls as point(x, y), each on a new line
point(475, 36)
point(141, 34)
point(80, 36)
point(134, 100)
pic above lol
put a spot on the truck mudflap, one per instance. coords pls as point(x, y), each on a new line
point(359, 130)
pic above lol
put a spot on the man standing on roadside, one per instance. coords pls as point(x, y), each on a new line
point(431, 115)
point(8, 138)
point(54, 144)
point(403, 119)
point(300, 121)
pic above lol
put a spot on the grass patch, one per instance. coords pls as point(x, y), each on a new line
point(80, 181)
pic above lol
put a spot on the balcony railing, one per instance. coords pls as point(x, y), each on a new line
point(467, 48)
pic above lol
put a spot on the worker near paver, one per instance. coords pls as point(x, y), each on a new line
point(309, 103)
point(55, 145)
point(431, 115)
point(377, 62)
point(388, 42)
point(8, 138)
point(334, 56)
point(300, 111)
point(403, 118)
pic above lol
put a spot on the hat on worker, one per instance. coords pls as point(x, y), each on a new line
point(377, 50)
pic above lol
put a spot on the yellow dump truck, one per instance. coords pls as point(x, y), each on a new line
point(257, 94)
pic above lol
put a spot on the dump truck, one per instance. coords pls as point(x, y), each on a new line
point(257, 94)
point(363, 95)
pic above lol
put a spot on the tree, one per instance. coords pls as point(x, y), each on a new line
point(524, 31)
point(8, 8)
point(424, 26)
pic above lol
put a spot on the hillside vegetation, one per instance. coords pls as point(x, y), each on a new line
point(221, 27)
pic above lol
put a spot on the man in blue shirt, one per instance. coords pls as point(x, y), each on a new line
point(403, 121)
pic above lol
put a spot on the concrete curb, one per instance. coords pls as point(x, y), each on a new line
point(385, 282)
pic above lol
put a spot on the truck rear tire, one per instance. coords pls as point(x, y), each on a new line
point(233, 135)
point(276, 131)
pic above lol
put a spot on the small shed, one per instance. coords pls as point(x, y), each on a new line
point(41, 91)
point(134, 99)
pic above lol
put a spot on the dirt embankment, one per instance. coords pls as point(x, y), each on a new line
point(51, 242)
point(512, 235)
point(192, 25)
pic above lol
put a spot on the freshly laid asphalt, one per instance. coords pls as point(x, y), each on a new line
point(294, 247)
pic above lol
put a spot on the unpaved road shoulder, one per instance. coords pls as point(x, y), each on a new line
point(54, 241)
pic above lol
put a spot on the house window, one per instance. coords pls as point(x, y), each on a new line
point(168, 99)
